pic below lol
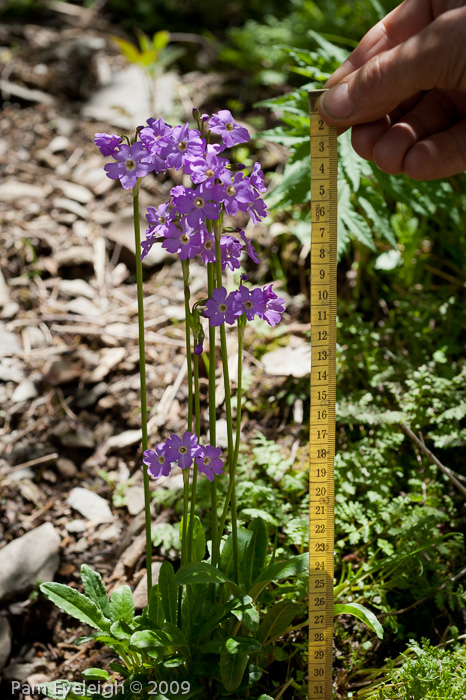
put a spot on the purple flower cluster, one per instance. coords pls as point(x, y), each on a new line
point(183, 451)
point(222, 307)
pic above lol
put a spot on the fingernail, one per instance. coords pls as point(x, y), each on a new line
point(336, 102)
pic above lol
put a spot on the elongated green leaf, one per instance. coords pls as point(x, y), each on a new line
point(277, 620)
point(155, 611)
point(76, 604)
point(199, 572)
point(95, 589)
point(362, 614)
point(128, 50)
point(121, 630)
point(175, 635)
point(199, 540)
point(97, 673)
point(226, 555)
point(160, 39)
point(255, 553)
point(232, 668)
point(285, 569)
point(122, 605)
point(57, 690)
point(146, 639)
point(167, 588)
point(242, 645)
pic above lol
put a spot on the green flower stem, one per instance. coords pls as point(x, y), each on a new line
point(185, 268)
point(142, 378)
point(212, 420)
point(197, 413)
point(231, 496)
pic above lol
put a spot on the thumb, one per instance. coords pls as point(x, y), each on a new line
point(433, 58)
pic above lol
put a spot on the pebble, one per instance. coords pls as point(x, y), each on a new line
point(124, 439)
point(135, 499)
point(58, 144)
point(9, 344)
point(140, 592)
point(58, 372)
point(79, 193)
point(27, 559)
point(76, 288)
point(19, 672)
point(288, 362)
point(90, 504)
point(71, 206)
point(25, 391)
point(77, 525)
point(83, 307)
point(66, 468)
point(12, 190)
point(83, 438)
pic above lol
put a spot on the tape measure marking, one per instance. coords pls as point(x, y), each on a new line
point(323, 295)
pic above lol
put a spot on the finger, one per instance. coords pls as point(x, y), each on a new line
point(432, 58)
point(404, 21)
point(432, 115)
point(441, 155)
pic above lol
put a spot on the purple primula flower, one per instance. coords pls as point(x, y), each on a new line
point(146, 246)
point(231, 132)
point(238, 193)
point(159, 219)
point(258, 210)
point(201, 203)
point(248, 247)
point(230, 252)
point(157, 462)
point(181, 142)
point(107, 143)
point(186, 241)
point(198, 349)
point(218, 308)
point(207, 248)
point(248, 302)
point(275, 306)
point(206, 167)
point(257, 178)
point(209, 463)
point(183, 450)
point(132, 163)
point(152, 137)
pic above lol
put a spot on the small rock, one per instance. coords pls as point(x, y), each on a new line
point(5, 641)
point(82, 438)
point(90, 504)
point(288, 362)
point(83, 307)
point(93, 395)
point(10, 310)
point(75, 255)
point(9, 344)
point(58, 144)
point(125, 439)
point(4, 293)
point(77, 192)
point(59, 372)
point(28, 559)
point(109, 359)
point(108, 534)
point(76, 288)
point(25, 391)
point(10, 372)
point(135, 499)
point(77, 525)
point(12, 191)
point(19, 672)
point(140, 593)
point(66, 468)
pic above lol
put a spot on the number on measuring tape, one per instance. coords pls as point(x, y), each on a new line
point(322, 397)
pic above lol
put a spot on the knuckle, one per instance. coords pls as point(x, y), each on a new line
point(372, 74)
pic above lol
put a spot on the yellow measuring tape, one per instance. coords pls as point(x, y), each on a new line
point(322, 418)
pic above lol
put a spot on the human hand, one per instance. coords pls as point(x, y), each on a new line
point(403, 90)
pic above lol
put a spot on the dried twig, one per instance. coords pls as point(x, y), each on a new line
point(448, 472)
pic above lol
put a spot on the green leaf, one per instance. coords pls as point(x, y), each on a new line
point(199, 540)
point(57, 690)
point(97, 673)
point(242, 645)
point(155, 610)
point(160, 40)
point(282, 569)
point(199, 572)
point(247, 613)
point(254, 556)
point(277, 620)
point(362, 614)
point(122, 605)
point(95, 589)
point(147, 639)
point(75, 604)
point(167, 588)
point(121, 630)
point(128, 50)
point(226, 555)
point(232, 668)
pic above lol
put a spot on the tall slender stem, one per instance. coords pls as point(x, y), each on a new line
point(187, 294)
point(212, 421)
point(142, 378)
point(226, 382)
point(197, 414)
